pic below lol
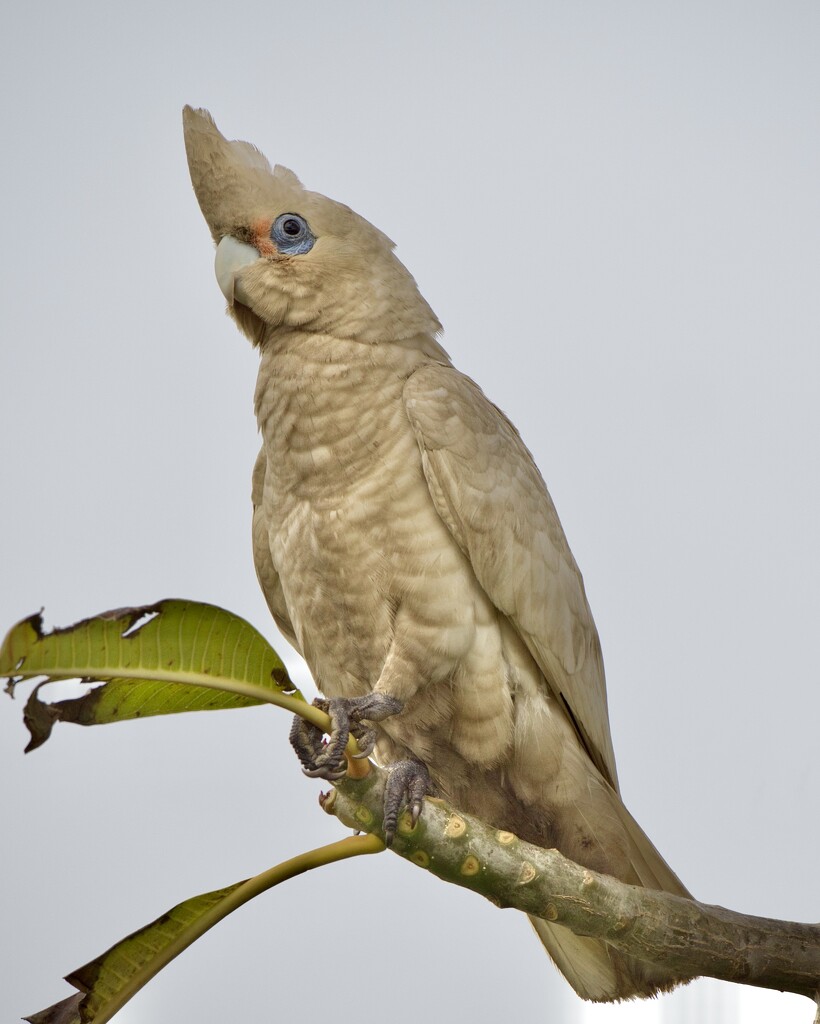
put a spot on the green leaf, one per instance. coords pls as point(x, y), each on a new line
point(160, 659)
point(108, 982)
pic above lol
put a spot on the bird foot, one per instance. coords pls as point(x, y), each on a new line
point(408, 781)
point(322, 760)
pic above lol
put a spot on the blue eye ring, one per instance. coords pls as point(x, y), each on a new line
point(291, 234)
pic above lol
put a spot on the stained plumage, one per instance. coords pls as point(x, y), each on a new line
point(405, 540)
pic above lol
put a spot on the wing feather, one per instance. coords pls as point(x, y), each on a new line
point(490, 495)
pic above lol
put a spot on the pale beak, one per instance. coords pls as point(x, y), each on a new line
point(231, 257)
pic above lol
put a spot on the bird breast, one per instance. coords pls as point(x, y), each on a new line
point(361, 553)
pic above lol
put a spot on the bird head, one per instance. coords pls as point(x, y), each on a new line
point(291, 259)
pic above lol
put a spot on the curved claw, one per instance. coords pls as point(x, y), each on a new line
point(324, 772)
point(366, 738)
point(415, 810)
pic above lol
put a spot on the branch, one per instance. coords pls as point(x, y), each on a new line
point(693, 938)
point(163, 658)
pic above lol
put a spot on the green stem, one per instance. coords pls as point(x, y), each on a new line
point(352, 846)
point(296, 705)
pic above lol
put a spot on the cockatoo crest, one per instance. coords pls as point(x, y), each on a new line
point(341, 279)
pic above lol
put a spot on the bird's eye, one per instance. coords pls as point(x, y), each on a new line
point(291, 235)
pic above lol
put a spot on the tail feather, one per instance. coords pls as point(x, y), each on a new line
point(586, 963)
point(596, 970)
point(649, 866)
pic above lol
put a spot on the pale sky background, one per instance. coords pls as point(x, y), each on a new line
point(615, 211)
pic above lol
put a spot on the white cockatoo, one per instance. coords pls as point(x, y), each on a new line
point(408, 548)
